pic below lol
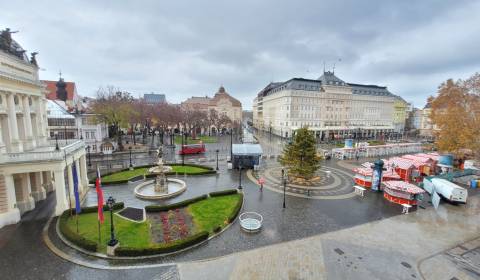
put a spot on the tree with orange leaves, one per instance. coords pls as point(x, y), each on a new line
point(456, 114)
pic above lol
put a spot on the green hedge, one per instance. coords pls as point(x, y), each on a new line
point(73, 236)
point(209, 170)
point(162, 248)
point(159, 208)
point(92, 209)
point(192, 164)
point(224, 192)
point(236, 210)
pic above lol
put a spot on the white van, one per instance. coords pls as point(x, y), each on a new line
point(446, 189)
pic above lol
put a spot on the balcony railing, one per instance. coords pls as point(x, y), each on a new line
point(46, 155)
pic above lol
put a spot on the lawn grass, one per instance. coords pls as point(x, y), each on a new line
point(124, 175)
point(133, 234)
point(128, 174)
point(188, 169)
point(207, 215)
point(204, 139)
point(213, 212)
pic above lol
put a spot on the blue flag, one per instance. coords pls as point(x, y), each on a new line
point(78, 209)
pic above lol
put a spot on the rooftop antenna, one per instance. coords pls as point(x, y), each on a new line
point(324, 66)
point(60, 73)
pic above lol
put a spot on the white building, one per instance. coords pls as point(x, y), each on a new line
point(329, 106)
point(30, 164)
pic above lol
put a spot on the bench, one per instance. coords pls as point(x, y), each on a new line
point(359, 190)
point(406, 207)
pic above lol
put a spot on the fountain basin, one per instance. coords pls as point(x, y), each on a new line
point(146, 190)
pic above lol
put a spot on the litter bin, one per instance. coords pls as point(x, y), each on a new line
point(473, 184)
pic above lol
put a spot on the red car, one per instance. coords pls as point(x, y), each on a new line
point(192, 149)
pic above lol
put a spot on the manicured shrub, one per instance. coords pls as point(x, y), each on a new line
point(160, 208)
point(191, 164)
point(217, 229)
point(73, 236)
point(236, 210)
point(162, 248)
point(91, 209)
point(224, 192)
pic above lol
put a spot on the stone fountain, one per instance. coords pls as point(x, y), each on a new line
point(161, 187)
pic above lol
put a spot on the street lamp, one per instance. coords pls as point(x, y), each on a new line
point(240, 177)
point(130, 150)
point(89, 157)
point(231, 144)
point(182, 150)
point(113, 241)
point(284, 186)
point(56, 140)
point(217, 157)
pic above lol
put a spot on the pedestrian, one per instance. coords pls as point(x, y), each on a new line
point(261, 181)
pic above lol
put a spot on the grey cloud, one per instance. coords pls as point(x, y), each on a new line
point(185, 48)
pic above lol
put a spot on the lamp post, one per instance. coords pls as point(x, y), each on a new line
point(89, 157)
point(216, 151)
point(113, 241)
point(56, 140)
point(130, 150)
point(231, 144)
point(182, 151)
point(240, 177)
point(284, 186)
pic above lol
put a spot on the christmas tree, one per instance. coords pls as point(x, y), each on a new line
point(300, 156)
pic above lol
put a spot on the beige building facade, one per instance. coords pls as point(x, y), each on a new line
point(222, 102)
point(330, 107)
point(30, 163)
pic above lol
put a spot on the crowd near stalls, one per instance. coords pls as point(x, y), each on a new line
point(403, 178)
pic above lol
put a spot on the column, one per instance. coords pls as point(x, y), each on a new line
point(12, 214)
point(60, 193)
point(27, 117)
point(2, 145)
point(70, 184)
point(47, 181)
point(25, 201)
point(12, 124)
point(83, 171)
point(38, 191)
point(79, 177)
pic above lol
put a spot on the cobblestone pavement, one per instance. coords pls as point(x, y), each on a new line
point(420, 245)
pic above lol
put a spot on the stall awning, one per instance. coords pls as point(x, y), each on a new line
point(246, 150)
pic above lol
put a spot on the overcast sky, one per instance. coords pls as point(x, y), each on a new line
point(182, 48)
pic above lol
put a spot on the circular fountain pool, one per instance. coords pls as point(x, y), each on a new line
point(146, 190)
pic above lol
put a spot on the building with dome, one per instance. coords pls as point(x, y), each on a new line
point(32, 165)
point(330, 107)
point(222, 102)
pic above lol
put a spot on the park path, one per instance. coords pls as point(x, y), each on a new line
point(401, 247)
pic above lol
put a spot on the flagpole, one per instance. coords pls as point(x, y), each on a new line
point(76, 215)
point(99, 233)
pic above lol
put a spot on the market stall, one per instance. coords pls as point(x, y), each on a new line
point(403, 167)
point(400, 192)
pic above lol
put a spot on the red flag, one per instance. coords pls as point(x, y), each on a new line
point(98, 188)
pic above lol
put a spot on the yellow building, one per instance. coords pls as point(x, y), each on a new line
point(400, 114)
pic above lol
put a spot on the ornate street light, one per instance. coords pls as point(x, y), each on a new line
point(182, 150)
point(130, 150)
point(113, 241)
point(240, 177)
point(217, 157)
point(56, 140)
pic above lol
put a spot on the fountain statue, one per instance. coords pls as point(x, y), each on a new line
point(161, 187)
